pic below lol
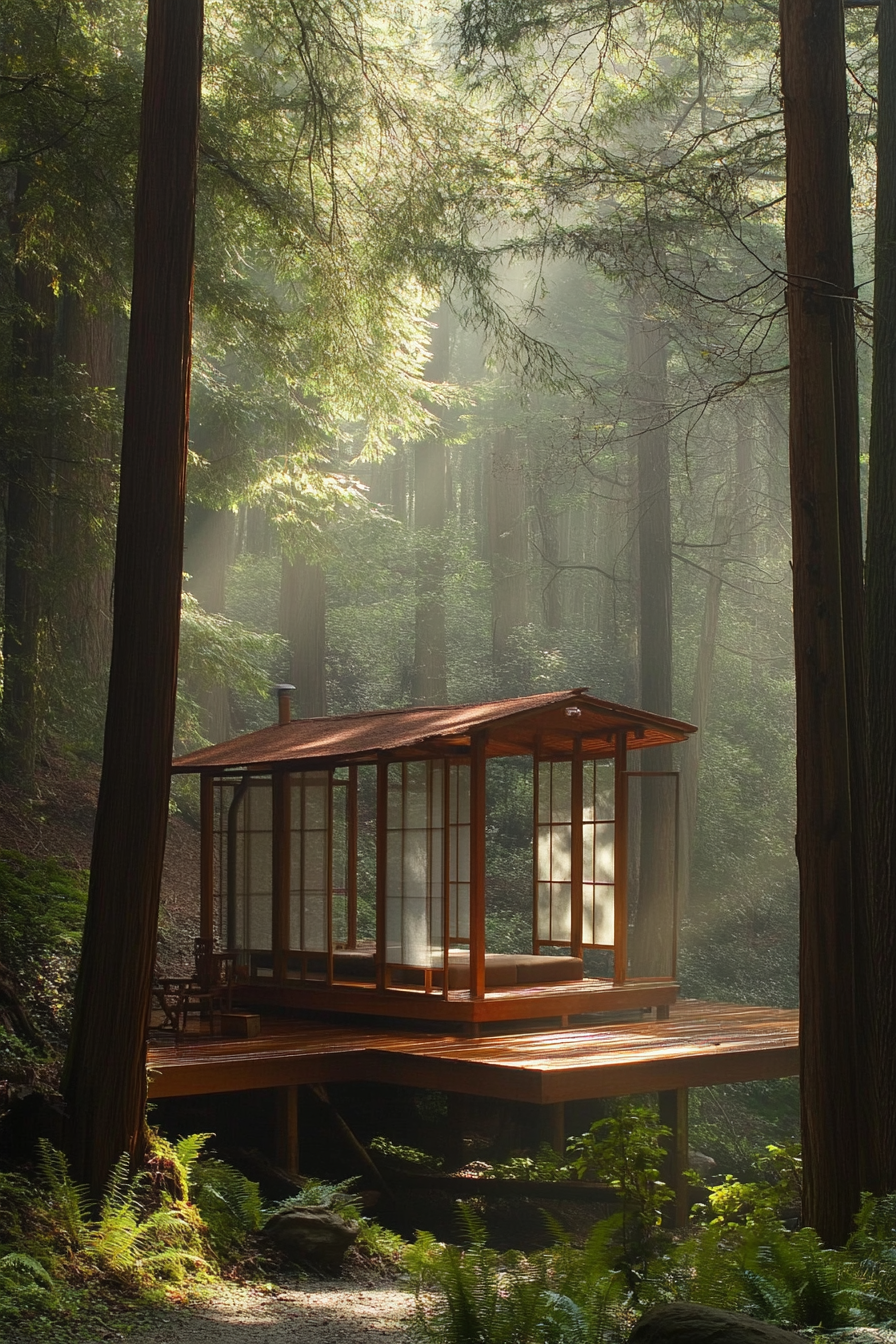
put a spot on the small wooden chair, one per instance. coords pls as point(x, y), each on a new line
point(209, 991)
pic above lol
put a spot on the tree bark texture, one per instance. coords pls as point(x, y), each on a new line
point(827, 606)
point(105, 1071)
point(549, 545)
point(28, 512)
point(692, 749)
point(881, 604)
point(83, 525)
point(508, 541)
point(303, 624)
point(430, 683)
point(730, 522)
point(651, 946)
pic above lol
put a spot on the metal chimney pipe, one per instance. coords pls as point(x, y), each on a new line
point(282, 693)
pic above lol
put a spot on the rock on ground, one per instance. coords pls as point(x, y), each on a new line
point(688, 1323)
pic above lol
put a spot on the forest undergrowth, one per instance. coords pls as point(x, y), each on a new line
point(188, 1220)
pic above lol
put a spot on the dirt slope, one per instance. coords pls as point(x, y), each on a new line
point(57, 822)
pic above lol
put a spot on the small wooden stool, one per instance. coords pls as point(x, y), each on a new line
point(240, 1024)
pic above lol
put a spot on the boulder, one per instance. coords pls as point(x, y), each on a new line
point(314, 1235)
point(688, 1323)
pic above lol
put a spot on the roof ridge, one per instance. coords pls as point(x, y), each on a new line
point(422, 709)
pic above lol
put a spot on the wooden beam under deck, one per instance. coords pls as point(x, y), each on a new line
point(519, 1004)
point(699, 1044)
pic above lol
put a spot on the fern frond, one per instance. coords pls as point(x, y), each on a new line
point(18, 1266)
point(187, 1152)
point(68, 1202)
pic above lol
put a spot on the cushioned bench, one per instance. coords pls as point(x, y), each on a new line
point(502, 969)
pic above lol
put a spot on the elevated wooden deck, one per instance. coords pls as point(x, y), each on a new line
point(700, 1043)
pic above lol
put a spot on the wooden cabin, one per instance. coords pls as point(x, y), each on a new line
point(388, 918)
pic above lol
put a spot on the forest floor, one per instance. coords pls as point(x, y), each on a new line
point(301, 1311)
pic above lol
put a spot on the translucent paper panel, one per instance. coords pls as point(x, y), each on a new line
point(554, 914)
point(459, 851)
point(598, 853)
point(598, 916)
point(246, 836)
point(309, 862)
point(415, 841)
point(599, 791)
point(339, 862)
point(553, 852)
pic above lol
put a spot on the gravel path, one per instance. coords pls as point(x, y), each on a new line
point(311, 1312)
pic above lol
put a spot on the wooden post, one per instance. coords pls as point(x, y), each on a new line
point(536, 786)
point(477, 865)
point(206, 856)
point(288, 1129)
point(329, 892)
point(553, 1126)
point(576, 848)
point(281, 814)
point(351, 864)
point(446, 871)
point(620, 863)
point(674, 1115)
point(382, 804)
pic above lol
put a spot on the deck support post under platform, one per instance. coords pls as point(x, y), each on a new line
point(553, 1126)
point(288, 1129)
point(674, 1115)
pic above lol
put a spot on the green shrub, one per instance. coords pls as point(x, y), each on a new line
point(229, 1204)
point(42, 907)
point(398, 1152)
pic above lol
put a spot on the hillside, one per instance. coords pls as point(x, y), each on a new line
point(58, 823)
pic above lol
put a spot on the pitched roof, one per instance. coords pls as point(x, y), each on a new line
point(515, 727)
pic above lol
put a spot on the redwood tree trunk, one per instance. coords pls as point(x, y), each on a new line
point(27, 518)
point(827, 607)
point(303, 624)
point(105, 1071)
point(430, 659)
point(508, 541)
point(83, 523)
point(881, 624)
point(651, 940)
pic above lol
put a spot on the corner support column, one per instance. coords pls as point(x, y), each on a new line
point(674, 1115)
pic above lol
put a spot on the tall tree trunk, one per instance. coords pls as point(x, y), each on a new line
point(508, 541)
point(28, 536)
point(881, 600)
point(692, 750)
point(303, 624)
point(430, 682)
point(827, 611)
point(549, 545)
point(83, 529)
point(651, 940)
point(729, 522)
point(105, 1069)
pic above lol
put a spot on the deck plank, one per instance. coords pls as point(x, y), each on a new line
point(700, 1043)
